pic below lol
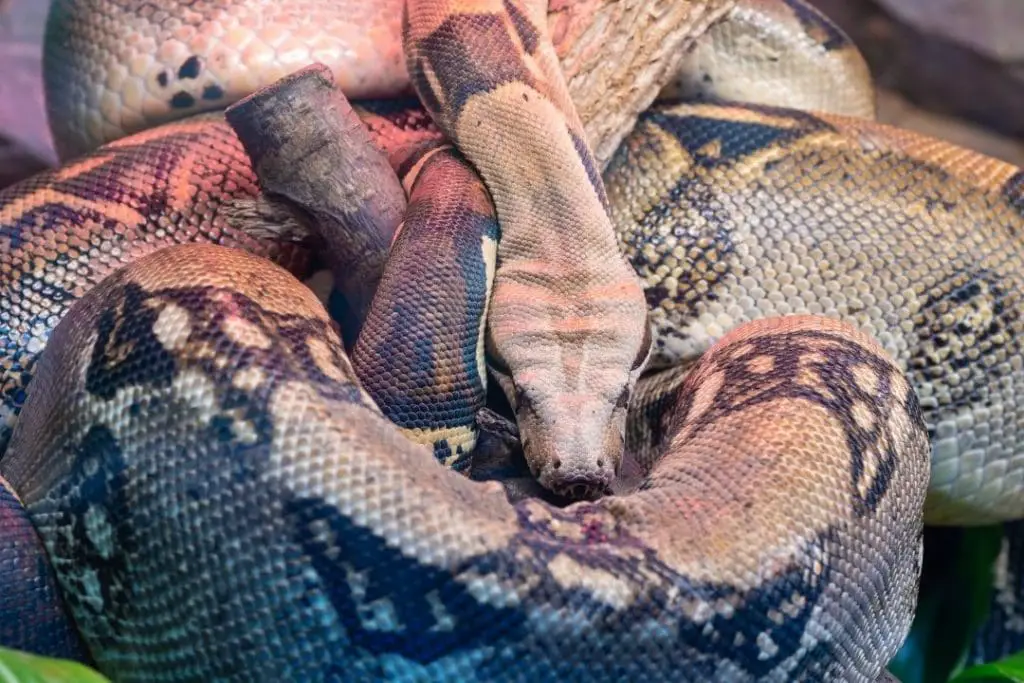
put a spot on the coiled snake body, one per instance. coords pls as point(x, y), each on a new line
point(221, 499)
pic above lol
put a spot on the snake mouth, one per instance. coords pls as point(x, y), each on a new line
point(582, 488)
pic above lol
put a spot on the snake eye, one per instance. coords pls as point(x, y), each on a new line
point(645, 348)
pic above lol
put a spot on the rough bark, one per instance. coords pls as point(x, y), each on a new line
point(313, 155)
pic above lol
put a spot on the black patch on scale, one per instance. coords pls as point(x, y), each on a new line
point(524, 29)
point(980, 304)
point(741, 390)
point(423, 148)
point(95, 488)
point(400, 586)
point(408, 341)
point(182, 100)
point(600, 546)
point(126, 342)
point(480, 56)
point(709, 265)
point(1013, 190)
point(431, 100)
point(818, 26)
point(737, 139)
point(654, 425)
point(190, 68)
point(212, 92)
point(406, 583)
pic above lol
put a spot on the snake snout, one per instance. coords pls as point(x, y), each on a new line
point(578, 480)
point(573, 450)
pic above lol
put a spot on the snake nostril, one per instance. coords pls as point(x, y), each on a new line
point(600, 463)
point(557, 464)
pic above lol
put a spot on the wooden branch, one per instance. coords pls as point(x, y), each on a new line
point(312, 154)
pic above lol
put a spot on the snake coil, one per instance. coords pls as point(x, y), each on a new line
point(223, 496)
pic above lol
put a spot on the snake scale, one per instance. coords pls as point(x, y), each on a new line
point(220, 498)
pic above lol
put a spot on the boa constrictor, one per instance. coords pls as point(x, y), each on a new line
point(221, 499)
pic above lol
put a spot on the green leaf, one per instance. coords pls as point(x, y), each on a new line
point(954, 599)
point(1010, 669)
point(22, 667)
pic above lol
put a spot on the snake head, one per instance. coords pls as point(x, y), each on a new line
point(573, 440)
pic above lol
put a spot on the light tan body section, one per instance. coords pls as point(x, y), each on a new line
point(101, 86)
point(569, 326)
point(777, 53)
point(913, 240)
